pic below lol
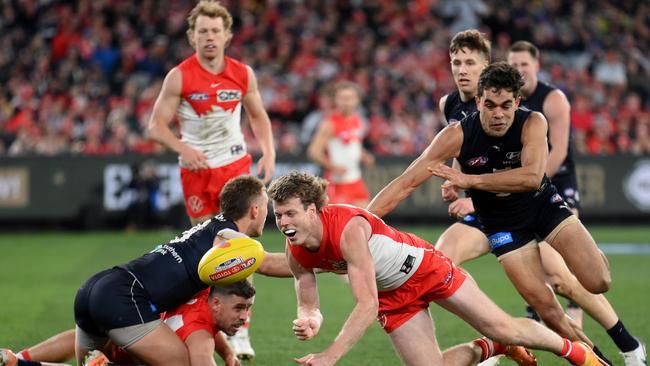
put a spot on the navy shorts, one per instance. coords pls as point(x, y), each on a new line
point(471, 221)
point(112, 299)
point(536, 227)
point(567, 186)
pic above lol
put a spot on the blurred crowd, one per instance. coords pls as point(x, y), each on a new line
point(82, 76)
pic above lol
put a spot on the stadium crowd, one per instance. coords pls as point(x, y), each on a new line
point(81, 77)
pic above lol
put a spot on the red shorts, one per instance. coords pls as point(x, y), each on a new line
point(436, 278)
point(201, 187)
point(347, 192)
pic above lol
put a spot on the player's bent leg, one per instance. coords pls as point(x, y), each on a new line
point(524, 268)
point(566, 284)
point(574, 243)
point(416, 344)
point(462, 243)
point(479, 311)
point(160, 347)
point(58, 348)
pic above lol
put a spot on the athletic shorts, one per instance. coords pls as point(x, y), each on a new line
point(112, 299)
point(201, 187)
point(547, 218)
point(567, 187)
point(471, 221)
point(347, 192)
point(436, 278)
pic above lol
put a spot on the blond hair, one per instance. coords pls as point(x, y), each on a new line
point(211, 9)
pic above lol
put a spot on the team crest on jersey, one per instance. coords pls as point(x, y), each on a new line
point(477, 161)
point(199, 97)
point(228, 95)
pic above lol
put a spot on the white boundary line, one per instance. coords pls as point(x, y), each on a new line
point(625, 248)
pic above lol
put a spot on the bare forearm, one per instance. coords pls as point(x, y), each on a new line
point(388, 198)
point(362, 316)
point(508, 181)
point(261, 126)
point(165, 136)
point(275, 265)
point(555, 161)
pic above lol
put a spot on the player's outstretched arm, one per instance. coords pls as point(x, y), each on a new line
point(200, 346)
point(445, 145)
point(275, 265)
point(222, 347)
point(528, 177)
point(361, 273)
point(317, 149)
point(163, 114)
point(261, 125)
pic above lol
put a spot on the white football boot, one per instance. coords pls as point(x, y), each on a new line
point(635, 357)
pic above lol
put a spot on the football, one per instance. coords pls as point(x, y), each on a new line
point(230, 261)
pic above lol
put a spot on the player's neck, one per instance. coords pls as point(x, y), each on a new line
point(465, 97)
point(526, 93)
point(313, 242)
point(214, 65)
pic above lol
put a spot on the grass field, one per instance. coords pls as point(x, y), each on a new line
point(40, 273)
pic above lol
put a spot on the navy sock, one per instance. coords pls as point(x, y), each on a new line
point(624, 341)
point(27, 363)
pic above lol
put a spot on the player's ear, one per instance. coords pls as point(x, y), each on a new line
point(190, 38)
point(254, 210)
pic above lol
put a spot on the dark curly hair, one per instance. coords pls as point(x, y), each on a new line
point(500, 76)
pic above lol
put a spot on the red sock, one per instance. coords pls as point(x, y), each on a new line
point(489, 347)
point(573, 352)
point(24, 354)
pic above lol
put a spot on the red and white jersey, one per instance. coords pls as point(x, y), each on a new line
point(192, 316)
point(396, 255)
point(210, 110)
point(344, 148)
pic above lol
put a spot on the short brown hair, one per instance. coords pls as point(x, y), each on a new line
point(525, 46)
point(473, 40)
point(211, 9)
point(309, 188)
point(238, 194)
point(242, 289)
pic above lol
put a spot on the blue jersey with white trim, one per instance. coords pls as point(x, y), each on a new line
point(169, 273)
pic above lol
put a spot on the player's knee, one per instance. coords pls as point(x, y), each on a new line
point(563, 286)
point(599, 284)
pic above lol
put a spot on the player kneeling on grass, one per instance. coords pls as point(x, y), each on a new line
point(197, 323)
point(394, 276)
point(123, 304)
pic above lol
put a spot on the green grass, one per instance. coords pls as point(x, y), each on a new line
point(40, 273)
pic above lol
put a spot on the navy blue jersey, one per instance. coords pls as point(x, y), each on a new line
point(169, 273)
point(456, 109)
point(483, 154)
point(536, 103)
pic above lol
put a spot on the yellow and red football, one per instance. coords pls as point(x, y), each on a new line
point(230, 261)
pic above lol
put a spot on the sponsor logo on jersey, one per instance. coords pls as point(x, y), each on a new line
point(198, 97)
point(499, 239)
point(230, 95)
point(236, 149)
point(477, 161)
point(513, 155)
point(195, 203)
point(407, 266)
point(214, 85)
point(230, 267)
